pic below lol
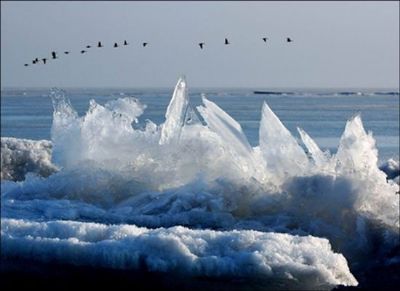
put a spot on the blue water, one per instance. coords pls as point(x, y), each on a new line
point(322, 113)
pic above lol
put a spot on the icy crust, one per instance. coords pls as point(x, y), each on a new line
point(206, 175)
point(323, 206)
point(300, 262)
point(21, 156)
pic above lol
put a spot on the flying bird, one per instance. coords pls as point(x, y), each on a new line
point(201, 44)
point(88, 46)
point(115, 45)
point(99, 44)
point(53, 55)
point(265, 39)
point(34, 62)
point(83, 51)
point(125, 42)
point(144, 44)
point(288, 39)
point(66, 52)
point(26, 65)
point(226, 41)
point(44, 60)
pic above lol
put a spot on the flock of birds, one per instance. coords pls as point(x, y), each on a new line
point(116, 45)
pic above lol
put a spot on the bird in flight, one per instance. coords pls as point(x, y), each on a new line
point(125, 42)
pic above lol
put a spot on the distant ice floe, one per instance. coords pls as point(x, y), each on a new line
point(178, 179)
point(327, 93)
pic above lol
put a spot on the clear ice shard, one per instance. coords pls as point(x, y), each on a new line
point(65, 127)
point(175, 115)
point(191, 117)
point(319, 157)
point(282, 154)
point(226, 127)
point(104, 132)
point(357, 159)
point(233, 140)
point(356, 151)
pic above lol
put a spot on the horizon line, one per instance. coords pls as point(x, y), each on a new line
point(198, 87)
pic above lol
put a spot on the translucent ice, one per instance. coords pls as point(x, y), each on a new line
point(230, 132)
point(320, 158)
point(281, 152)
point(104, 133)
point(175, 115)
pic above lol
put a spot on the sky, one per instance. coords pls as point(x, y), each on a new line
point(335, 44)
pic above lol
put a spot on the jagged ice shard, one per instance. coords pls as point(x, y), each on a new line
point(230, 132)
point(357, 156)
point(281, 152)
point(320, 158)
point(176, 112)
point(256, 213)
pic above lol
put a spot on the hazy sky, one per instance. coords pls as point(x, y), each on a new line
point(336, 44)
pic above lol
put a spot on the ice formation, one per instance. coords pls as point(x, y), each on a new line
point(21, 156)
point(301, 262)
point(319, 158)
point(391, 168)
point(203, 175)
point(175, 115)
point(282, 154)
